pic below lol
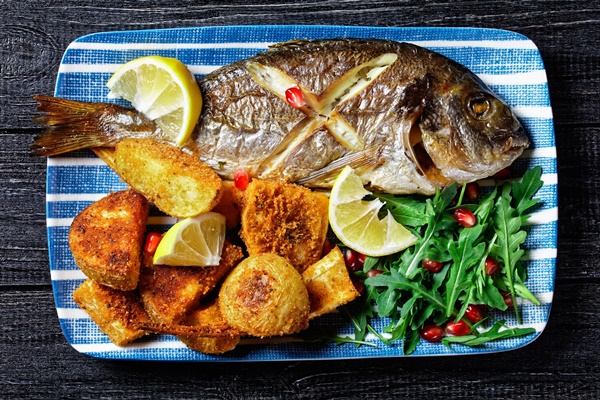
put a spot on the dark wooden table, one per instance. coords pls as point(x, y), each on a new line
point(37, 362)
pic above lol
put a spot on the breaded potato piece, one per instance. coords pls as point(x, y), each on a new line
point(118, 314)
point(106, 239)
point(230, 204)
point(176, 182)
point(265, 296)
point(170, 293)
point(328, 283)
point(285, 219)
point(208, 315)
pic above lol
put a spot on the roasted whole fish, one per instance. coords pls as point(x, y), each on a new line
point(407, 119)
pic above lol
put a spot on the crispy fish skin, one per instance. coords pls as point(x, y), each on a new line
point(422, 97)
point(407, 119)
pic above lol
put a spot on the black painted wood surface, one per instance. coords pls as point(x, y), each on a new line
point(37, 362)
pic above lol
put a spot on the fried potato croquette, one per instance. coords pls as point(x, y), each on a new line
point(169, 293)
point(265, 296)
point(284, 219)
point(208, 315)
point(328, 283)
point(106, 239)
point(117, 313)
point(175, 181)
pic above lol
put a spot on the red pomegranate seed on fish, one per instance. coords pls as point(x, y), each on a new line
point(465, 217)
point(152, 241)
point(491, 266)
point(432, 333)
point(294, 97)
point(374, 272)
point(431, 265)
point(473, 313)
point(459, 328)
point(241, 179)
point(472, 192)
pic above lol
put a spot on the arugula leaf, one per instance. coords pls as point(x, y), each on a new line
point(507, 225)
point(524, 189)
point(465, 253)
point(493, 334)
point(395, 280)
point(406, 210)
point(435, 211)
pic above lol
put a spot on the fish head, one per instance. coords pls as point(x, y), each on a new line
point(467, 133)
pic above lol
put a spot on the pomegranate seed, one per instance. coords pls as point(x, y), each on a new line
point(473, 192)
point(327, 247)
point(491, 266)
point(362, 258)
point(508, 300)
point(432, 266)
point(459, 328)
point(374, 272)
point(503, 174)
point(465, 217)
point(473, 313)
point(152, 241)
point(353, 260)
point(294, 97)
point(241, 179)
point(432, 333)
point(358, 285)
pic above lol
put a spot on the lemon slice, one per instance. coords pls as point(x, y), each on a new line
point(164, 90)
point(356, 222)
point(196, 241)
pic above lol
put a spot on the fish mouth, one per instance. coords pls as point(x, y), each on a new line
point(515, 142)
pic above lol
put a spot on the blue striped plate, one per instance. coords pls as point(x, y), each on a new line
point(508, 62)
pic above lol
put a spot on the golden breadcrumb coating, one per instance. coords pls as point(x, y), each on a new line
point(284, 219)
point(118, 314)
point(328, 283)
point(106, 239)
point(169, 293)
point(208, 315)
point(176, 182)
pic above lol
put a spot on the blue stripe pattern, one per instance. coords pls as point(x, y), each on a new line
point(71, 184)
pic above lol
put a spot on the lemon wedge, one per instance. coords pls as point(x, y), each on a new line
point(196, 241)
point(164, 90)
point(356, 222)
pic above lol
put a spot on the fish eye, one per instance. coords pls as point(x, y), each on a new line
point(479, 105)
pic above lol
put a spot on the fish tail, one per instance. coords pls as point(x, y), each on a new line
point(71, 125)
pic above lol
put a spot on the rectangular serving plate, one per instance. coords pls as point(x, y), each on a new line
point(508, 62)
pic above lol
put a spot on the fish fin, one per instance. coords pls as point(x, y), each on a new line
point(360, 161)
point(71, 125)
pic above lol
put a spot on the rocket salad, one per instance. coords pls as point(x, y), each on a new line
point(442, 288)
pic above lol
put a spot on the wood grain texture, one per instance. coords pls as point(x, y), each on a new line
point(36, 358)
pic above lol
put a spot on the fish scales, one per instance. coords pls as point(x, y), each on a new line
point(407, 119)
